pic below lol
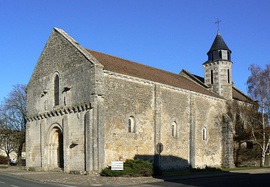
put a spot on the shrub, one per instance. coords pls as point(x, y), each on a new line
point(110, 173)
point(133, 168)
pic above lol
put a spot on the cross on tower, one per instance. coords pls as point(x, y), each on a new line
point(217, 22)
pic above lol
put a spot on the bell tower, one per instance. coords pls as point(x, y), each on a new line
point(218, 68)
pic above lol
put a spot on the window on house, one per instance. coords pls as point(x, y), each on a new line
point(174, 129)
point(131, 124)
point(204, 134)
point(56, 90)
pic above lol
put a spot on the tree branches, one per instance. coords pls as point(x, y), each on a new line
point(259, 89)
point(13, 121)
point(259, 85)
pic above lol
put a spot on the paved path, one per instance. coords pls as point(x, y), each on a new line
point(76, 179)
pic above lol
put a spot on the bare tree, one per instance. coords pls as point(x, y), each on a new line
point(13, 116)
point(259, 89)
point(8, 141)
point(238, 113)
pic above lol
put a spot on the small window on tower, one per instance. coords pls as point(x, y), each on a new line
point(228, 74)
point(209, 57)
point(224, 55)
point(220, 54)
point(212, 76)
point(229, 55)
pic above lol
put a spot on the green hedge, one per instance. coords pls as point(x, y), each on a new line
point(132, 168)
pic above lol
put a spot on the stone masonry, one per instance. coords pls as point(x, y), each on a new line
point(85, 111)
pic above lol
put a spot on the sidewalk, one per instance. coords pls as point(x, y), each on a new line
point(86, 180)
point(75, 179)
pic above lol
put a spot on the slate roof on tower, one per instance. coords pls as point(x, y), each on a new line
point(219, 44)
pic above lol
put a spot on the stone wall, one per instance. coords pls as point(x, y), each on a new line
point(208, 116)
point(93, 123)
point(156, 108)
point(61, 58)
point(124, 99)
point(222, 81)
point(80, 80)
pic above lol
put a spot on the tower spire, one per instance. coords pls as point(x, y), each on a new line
point(218, 68)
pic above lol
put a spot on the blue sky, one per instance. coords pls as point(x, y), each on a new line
point(166, 34)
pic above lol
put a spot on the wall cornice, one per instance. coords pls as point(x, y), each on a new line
point(59, 111)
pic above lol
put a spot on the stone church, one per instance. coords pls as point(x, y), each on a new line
point(86, 109)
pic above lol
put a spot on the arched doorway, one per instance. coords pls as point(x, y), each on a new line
point(55, 148)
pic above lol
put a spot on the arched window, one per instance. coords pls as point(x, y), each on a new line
point(204, 134)
point(131, 124)
point(56, 90)
point(174, 129)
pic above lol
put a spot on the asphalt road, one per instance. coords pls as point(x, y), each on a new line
point(261, 179)
point(8, 181)
point(232, 180)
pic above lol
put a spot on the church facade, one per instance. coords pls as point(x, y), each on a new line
point(86, 109)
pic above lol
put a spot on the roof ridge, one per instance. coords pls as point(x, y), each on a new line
point(198, 81)
point(133, 62)
point(135, 69)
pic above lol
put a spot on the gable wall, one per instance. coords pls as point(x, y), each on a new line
point(76, 72)
point(59, 57)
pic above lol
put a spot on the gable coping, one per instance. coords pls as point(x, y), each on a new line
point(79, 47)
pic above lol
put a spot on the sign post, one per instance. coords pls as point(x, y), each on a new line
point(159, 150)
point(117, 165)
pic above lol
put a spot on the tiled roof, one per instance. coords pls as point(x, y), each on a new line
point(240, 96)
point(126, 67)
point(236, 94)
